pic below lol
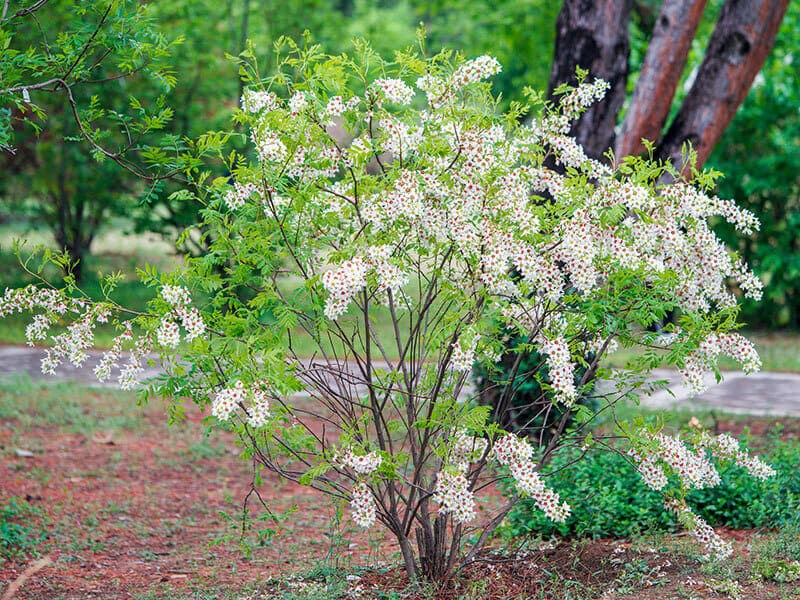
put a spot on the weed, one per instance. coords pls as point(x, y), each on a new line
point(18, 538)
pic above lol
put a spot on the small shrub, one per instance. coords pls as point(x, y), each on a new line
point(443, 214)
point(777, 570)
point(616, 503)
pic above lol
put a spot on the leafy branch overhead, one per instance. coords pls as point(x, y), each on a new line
point(70, 50)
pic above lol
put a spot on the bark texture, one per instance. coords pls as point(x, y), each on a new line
point(673, 32)
point(743, 37)
point(593, 35)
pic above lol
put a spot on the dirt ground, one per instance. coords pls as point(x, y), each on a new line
point(133, 508)
point(137, 510)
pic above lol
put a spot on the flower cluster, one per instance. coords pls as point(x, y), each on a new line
point(168, 334)
point(464, 354)
point(254, 102)
point(466, 449)
point(132, 370)
point(662, 455)
point(560, 369)
point(240, 194)
point(110, 358)
point(582, 97)
point(692, 467)
point(343, 283)
point(395, 90)
point(258, 411)
point(715, 546)
point(700, 362)
point(362, 503)
point(726, 447)
point(363, 464)
point(476, 70)
point(228, 400)
point(269, 146)
point(297, 103)
point(350, 277)
point(517, 454)
point(32, 299)
point(453, 495)
point(389, 276)
point(73, 344)
point(452, 491)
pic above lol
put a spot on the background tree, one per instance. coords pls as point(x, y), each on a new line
point(72, 72)
point(759, 150)
point(595, 36)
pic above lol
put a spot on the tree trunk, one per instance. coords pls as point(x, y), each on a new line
point(664, 62)
point(743, 37)
point(593, 35)
point(433, 544)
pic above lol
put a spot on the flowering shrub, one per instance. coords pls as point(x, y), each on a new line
point(367, 202)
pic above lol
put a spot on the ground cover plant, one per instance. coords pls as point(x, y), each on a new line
point(448, 215)
point(618, 504)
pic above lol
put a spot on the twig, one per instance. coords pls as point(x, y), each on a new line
point(34, 568)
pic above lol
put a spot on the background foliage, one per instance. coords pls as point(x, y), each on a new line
point(140, 49)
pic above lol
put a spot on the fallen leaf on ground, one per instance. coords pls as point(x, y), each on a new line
point(104, 437)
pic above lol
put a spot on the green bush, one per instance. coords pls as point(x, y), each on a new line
point(610, 500)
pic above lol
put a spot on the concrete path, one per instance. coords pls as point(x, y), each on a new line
point(762, 393)
point(758, 394)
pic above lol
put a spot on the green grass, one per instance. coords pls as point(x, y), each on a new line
point(779, 351)
point(71, 406)
point(20, 533)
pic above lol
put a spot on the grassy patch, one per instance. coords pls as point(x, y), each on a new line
point(70, 406)
point(779, 352)
point(19, 535)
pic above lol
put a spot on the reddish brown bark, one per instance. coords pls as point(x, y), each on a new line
point(664, 62)
point(593, 35)
point(742, 39)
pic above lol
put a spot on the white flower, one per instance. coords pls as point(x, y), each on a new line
point(228, 400)
point(475, 70)
point(363, 505)
point(363, 464)
point(717, 548)
point(463, 357)
point(259, 409)
point(255, 102)
point(168, 333)
point(342, 283)
point(516, 453)
point(560, 369)
point(297, 103)
point(396, 91)
point(453, 495)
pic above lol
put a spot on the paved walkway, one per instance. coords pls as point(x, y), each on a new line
point(758, 394)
